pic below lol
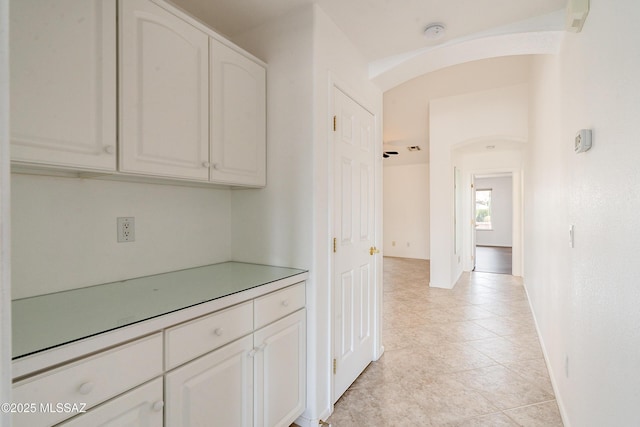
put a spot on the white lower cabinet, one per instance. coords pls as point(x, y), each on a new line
point(258, 380)
point(241, 365)
point(214, 390)
point(281, 371)
point(141, 407)
point(87, 382)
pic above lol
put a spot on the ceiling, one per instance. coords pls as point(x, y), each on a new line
point(378, 28)
point(410, 69)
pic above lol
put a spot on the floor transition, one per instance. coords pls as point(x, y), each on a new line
point(493, 259)
point(463, 357)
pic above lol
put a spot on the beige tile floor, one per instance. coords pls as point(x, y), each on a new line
point(463, 357)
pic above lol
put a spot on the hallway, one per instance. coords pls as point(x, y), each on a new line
point(463, 357)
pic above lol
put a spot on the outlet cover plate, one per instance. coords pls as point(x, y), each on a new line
point(126, 229)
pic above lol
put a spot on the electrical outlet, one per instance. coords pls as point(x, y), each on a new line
point(126, 229)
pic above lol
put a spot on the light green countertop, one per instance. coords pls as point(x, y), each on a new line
point(47, 321)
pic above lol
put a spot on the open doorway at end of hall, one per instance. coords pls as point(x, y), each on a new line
point(493, 223)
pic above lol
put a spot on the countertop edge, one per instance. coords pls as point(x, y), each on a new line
point(46, 359)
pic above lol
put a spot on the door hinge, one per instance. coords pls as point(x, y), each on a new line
point(335, 366)
point(335, 245)
point(335, 123)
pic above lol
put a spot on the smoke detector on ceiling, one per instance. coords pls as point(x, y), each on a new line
point(434, 31)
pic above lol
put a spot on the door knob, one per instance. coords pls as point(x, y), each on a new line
point(373, 250)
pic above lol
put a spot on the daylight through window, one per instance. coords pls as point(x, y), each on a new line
point(483, 210)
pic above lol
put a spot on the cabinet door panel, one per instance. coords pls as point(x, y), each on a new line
point(141, 407)
point(280, 398)
point(215, 390)
point(163, 93)
point(238, 118)
point(63, 83)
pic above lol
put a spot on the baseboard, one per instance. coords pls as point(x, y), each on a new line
point(303, 421)
point(563, 412)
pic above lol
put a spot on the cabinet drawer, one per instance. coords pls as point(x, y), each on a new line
point(190, 340)
point(139, 407)
point(89, 381)
point(278, 304)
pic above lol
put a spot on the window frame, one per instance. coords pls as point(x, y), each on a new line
point(489, 208)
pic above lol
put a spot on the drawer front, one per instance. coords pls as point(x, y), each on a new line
point(278, 304)
point(192, 339)
point(88, 382)
point(142, 406)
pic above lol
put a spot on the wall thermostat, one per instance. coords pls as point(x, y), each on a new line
point(583, 141)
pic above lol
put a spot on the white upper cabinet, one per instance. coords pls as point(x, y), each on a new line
point(164, 93)
point(238, 118)
point(191, 107)
point(63, 83)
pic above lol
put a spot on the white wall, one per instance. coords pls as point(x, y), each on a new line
point(289, 222)
point(498, 114)
point(64, 231)
point(406, 107)
point(274, 225)
point(585, 300)
point(501, 211)
point(406, 211)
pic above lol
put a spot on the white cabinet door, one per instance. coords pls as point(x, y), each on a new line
point(63, 83)
point(141, 407)
point(164, 93)
point(281, 371)
point(214, 390)
point(238, 118)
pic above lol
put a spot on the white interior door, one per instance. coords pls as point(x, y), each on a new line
point(354, 221)
point(473, 222)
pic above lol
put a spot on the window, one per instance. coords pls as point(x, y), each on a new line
point(483, 210)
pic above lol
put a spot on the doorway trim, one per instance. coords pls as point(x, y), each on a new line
point(517, 230)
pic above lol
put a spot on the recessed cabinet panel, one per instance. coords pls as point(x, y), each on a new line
point(238, 118)
point(163, 93)
point(215, 390)
point(63, 83)
point(280, 398)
